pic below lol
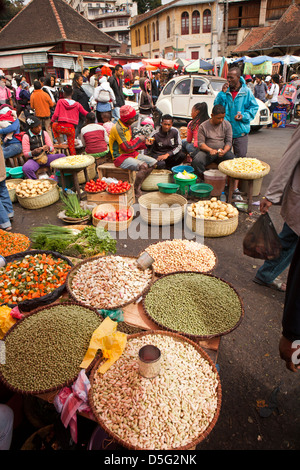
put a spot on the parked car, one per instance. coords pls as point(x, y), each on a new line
point(181, 93)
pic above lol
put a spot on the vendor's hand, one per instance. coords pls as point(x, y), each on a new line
point(225, 87)
point(265, 205)
point(221, 152)
point(289, 354)
point(46, 148)
point(238, 117)
point(142, 138)
point(162, 157)
point(37, 151)
point(213, 152)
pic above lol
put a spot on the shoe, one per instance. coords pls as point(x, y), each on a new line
point(276, 284)
point(237, 197)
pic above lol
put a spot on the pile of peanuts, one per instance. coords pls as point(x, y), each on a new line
point(181, 255)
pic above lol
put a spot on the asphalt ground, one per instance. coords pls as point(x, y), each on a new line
point(260, 397)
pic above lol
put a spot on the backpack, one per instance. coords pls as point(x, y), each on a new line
point(104, 96)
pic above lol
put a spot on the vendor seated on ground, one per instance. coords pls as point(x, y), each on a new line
point(199, 114)
point(94, 137)
point(167, 145)
point(9, 130)
point(37, 146)
point(214, 141)
point(125, 150)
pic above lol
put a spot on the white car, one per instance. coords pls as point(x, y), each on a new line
point(181, 93)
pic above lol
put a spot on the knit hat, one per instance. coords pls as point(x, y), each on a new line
point(268, 78)
point(33, 122)
point(248, 77)
point(127, 112)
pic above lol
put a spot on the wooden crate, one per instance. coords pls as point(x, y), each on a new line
point(104, 197)
point(109, 170)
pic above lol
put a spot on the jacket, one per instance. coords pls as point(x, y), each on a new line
point(165, 142)
point(285, 185)
point(94, 138)
point(32, 141)
point(81, 97)
point(260, 91)
point(13, 127)
point(68, 113)
point(118, 90)
point(2, 166)
point(41, 103)
point(121, 143)
point(244, 102)
point(156, 88)
point(145, 99)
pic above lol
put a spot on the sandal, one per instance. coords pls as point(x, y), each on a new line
point(276, 284)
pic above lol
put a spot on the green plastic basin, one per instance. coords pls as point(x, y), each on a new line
point(201, 190)
point(168, 187)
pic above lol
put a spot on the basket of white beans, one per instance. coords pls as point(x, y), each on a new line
point(212, 218)
point(36, 194)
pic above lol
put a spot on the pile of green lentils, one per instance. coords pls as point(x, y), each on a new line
point(45, 350)
point(194, 304)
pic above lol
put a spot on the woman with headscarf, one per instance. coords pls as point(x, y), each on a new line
point(81, 97)
point(104, 97)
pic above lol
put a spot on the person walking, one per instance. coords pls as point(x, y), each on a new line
point(104, 97)
point(240, 107)
point(146, 105)
point(156, 86)
point(6, 207)
point(85, 75)
point(41, 103)
point(66, 118)
point(81, 97)
point(260, 88)
point(285, 187)
point(116, 83)
point(273, 92)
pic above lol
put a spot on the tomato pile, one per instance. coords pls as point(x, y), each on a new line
point(119, 187)
point(114, 216)
point(95, 186)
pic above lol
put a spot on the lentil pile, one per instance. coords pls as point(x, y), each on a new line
point(166, 412)
point(109, 281)
point(45, 349)
point(181, 255)
point(194, 304)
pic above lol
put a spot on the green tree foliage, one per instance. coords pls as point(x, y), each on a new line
point(146, 5)
point(8, 9)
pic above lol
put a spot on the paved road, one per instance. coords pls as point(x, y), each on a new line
point(250, 367)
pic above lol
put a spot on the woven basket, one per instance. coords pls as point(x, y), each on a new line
point(74, 270)
point(44, 200)
point(194, 337)
point(110, 225)
point(126, 444)
point(12, 192)
point(61, 163)
point(162, 209)
point(91, 172)
point(70, 380)
point(246, 176)
point(156, 176)
point(212, 228)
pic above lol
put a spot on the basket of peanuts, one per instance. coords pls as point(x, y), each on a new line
point(212, 218)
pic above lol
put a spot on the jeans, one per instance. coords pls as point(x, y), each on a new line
point(202, 159)
point(134, 163)
point(189, 148)
point(271, 269)
point(115, 115)
point(11, 150)
point(6, 207)
point(6, 426)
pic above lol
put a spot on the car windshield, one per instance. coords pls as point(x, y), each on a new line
point(217, 85)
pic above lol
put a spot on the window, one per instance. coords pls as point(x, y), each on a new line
point(183, 87)
point(153, 32)
point(136, 38)
point(122, 21)
point(195, 55)
point(207, 21)
point(145, 35)
point(199, 87)
point(110, 23)
point(157, 30)
point(168, 27)
point(196, 22)
point(139, 38)
point(148, 34)
point(168, 88)
point(100, 24)
point(185, 23)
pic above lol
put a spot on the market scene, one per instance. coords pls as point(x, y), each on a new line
point(149, 226)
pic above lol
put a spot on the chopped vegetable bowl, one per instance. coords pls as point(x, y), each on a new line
point(33, 278)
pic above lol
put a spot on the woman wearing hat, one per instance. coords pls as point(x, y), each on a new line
point(37, 147)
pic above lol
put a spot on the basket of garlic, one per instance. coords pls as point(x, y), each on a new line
point(244, 168)
point(35, 194)
point(212, 218)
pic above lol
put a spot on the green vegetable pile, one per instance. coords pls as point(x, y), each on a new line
point(88, 242)
point(72, 206)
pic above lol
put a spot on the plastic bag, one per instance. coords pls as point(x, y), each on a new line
point(262, 241)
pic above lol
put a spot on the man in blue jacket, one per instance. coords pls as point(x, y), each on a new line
point(241, 108)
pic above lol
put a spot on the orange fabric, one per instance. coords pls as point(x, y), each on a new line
point(41, 103)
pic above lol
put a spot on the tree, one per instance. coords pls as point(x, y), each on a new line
point(8, 9)
point(147, 5)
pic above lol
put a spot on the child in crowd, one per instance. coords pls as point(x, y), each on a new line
point(107, 122)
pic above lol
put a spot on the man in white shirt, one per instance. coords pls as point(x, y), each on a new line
point(273, 92)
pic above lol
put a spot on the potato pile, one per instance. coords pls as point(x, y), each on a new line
point(212, 210)
point(33, 188)
point(11, 185)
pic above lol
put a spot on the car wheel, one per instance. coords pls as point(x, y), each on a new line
point(255, 128)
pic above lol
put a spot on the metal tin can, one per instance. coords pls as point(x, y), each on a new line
point(2, 262)
point(149, 361)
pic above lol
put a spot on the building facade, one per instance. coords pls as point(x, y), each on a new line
point(112, 17)
point(187, 29)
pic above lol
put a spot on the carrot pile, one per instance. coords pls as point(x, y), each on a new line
point(12, 243)
point(31, 277)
